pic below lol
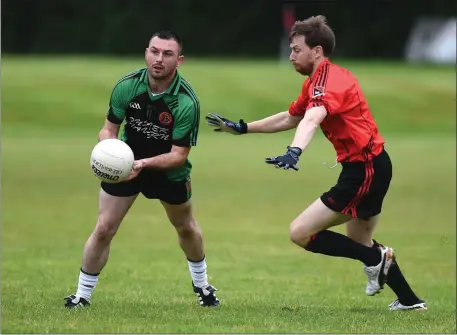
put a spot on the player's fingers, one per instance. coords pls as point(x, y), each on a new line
point(218, 129)
point(138, 165)
point(213, 124)
point(216, 116)
point(279, 164)
point(271, 160)
point(212, 120)
point(295, 167)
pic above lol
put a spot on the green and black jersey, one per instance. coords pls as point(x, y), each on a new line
point(155, 122)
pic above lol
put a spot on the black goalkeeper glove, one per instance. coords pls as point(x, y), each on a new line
point(286, 161)
point(223, 124)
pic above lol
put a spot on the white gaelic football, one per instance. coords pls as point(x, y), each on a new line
point(112, 160)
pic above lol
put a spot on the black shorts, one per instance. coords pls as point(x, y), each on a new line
point(152, 186)
point(361, 187)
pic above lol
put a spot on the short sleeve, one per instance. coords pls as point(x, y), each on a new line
point(120, 97)
point(298, 107)
point(186, 123)
point(334, 97)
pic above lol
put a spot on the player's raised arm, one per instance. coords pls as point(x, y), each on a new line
point(116, 113)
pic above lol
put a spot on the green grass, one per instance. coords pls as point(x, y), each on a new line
point(51, 112)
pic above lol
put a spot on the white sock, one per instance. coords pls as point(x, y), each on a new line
point(198, 272)
point(86, 284)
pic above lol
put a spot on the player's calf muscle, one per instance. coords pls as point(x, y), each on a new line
point(191, 241)
point(361, 231)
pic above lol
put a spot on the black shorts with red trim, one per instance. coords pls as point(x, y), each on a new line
point(152, 186)
point(361, 187)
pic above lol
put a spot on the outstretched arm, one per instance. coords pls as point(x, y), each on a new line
point(272, 124)
point(275, 123)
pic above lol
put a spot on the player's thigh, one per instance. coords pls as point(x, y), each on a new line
point(362, 231)
point(361, 188)
point(115, 201)
point(315, 218)
point(341, 197)
point(175, 197)
point(168, 191)
point(180, 215)
point(381, 175)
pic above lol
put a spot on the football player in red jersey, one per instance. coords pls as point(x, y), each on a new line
point(331, 98)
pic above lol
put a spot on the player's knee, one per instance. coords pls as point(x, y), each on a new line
point(187, 228)
point(105, 230)
point(299, 235)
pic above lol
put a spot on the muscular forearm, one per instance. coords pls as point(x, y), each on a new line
point(166, 161)
point(304, 134)
point(105, 134)
point(274, 123)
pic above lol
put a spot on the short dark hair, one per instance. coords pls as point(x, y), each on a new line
point(168, 35)
point(316, 33)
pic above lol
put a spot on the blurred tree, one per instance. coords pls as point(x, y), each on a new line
point(209, 28)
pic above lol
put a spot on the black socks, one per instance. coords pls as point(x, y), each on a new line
point(334, 244)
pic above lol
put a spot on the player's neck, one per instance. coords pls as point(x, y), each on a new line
point(316, 65)
point(160, 85)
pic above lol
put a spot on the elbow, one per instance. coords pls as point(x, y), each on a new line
point(292, 121)
point(179, 160)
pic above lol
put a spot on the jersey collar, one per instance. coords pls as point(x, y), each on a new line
point(173, 89)
point(319, 69)
point(174, 86)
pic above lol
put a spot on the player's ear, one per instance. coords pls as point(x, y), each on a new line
point(180, 59)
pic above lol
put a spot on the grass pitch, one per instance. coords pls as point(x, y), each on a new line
point(52, 110)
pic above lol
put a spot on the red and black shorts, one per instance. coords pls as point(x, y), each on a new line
point(361, 187)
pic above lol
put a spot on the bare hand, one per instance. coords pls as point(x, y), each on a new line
point(137, 167)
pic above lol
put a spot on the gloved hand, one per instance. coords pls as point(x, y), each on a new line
point(286, 161)
point(223, 124)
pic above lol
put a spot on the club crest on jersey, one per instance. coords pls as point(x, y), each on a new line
point(318, 91)
point(165, 118)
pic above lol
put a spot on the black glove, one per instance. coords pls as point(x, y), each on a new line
point(286, 161)
point(223, 124)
